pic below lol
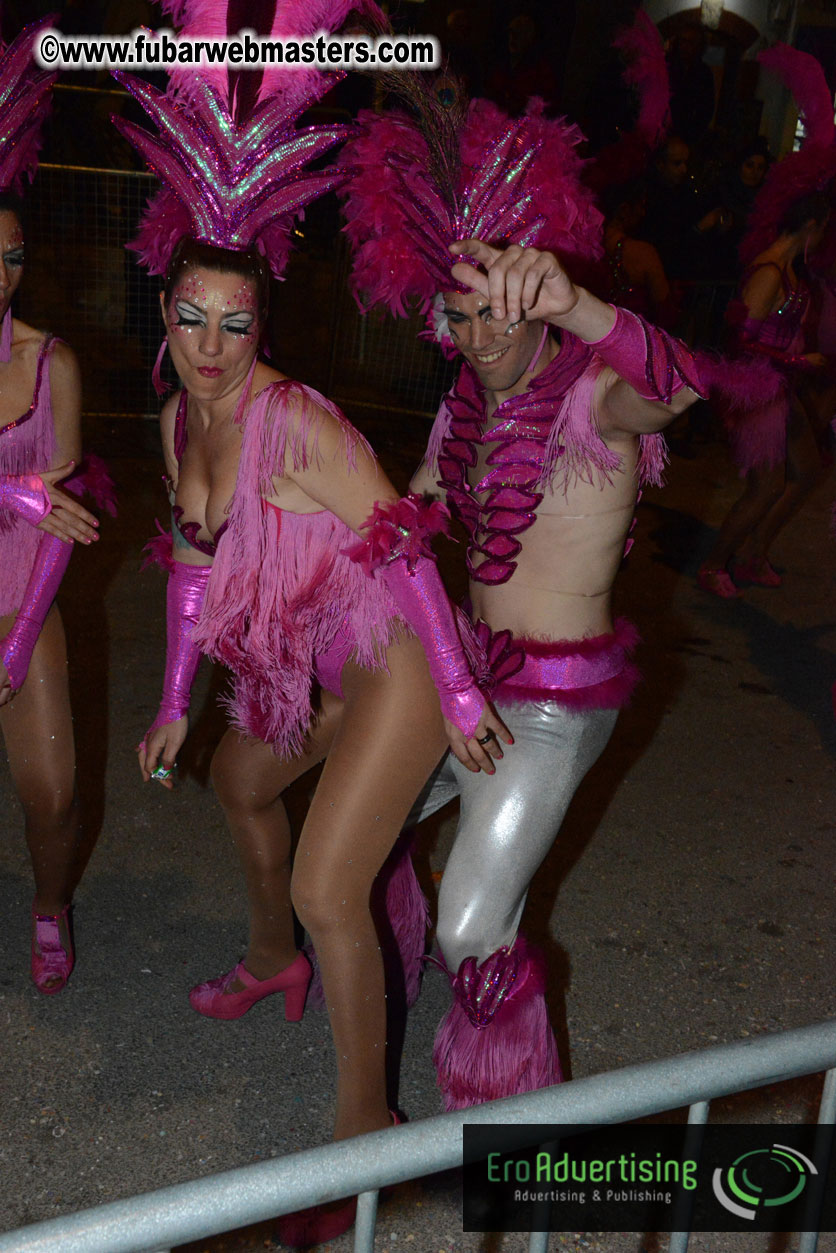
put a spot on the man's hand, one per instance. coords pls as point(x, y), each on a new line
point(519, 282)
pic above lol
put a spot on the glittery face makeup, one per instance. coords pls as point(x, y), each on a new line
point(213, 328)
point(500, 351)
point(11, 257)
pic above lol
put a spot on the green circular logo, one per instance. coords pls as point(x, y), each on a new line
point(762, 1179)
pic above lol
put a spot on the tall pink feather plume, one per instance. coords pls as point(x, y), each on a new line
point(797, 175)
point(647, 71)
point(804, 76)
point(520, 183)
point(199, 18)
point(24, 103)
point(800, 173)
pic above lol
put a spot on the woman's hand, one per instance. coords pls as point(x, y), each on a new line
point(472, 753)
point(68, 520)
point(159, 749)
point(519, 282)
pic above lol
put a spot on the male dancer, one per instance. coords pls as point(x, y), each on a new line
point(545, 363)
point(540, 449)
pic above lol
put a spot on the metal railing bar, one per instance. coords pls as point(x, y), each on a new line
point(808, 1240)
point(539, 1242)
point(263, 1190)
point(366, 1222)
point(697, 1119)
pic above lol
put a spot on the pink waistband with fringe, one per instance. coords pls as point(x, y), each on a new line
point(591, 673)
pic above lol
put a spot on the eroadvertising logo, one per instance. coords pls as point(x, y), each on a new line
point(649, 1177)
point(762, 1177)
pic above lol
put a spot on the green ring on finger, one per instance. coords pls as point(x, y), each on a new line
point(161, 773)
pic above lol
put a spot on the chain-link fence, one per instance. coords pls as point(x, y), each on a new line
point(84, 286)
point(81, 283)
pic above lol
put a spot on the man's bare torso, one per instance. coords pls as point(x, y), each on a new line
point(564, 573)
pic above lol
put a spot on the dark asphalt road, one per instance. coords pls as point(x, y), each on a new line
point(689, 899)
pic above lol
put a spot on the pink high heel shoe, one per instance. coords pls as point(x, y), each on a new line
point(718, 582)
point(762, 573)
point(52, 964)
point(320, 1223)
point(214, 1001)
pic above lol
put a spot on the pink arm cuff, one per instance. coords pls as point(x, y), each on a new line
point(184, 601)
point(654, 363)
point(25, 495)
point(51, 560)
point(396, 550)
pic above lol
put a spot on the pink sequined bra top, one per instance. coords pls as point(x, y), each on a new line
point(549, 422)
point(189, 530)
point(782, 329)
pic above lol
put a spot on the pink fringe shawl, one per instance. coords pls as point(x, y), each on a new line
point(280, 586)
point(27, 448)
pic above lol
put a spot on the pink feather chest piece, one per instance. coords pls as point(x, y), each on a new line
point(511, 487)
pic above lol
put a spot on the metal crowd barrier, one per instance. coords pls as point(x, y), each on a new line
point(156, 1221)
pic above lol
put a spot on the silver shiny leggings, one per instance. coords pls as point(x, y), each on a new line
point(508, 821)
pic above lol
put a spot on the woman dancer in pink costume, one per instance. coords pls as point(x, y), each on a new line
point(40, 441)
point(271, 488)
point(775, 446)
point(774, 443)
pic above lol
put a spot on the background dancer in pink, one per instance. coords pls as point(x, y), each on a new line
point(271, 488)
point(775, 444)
point(40, 446)
point(540, 450)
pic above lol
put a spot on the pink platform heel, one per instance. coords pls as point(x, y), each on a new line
point(52, 963)
point(214, 1001)
point(321, 1223)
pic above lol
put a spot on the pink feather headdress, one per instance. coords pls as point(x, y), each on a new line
point(228, 152)
point(418, 183)
point(24, 103)
point(800, 173)
point(646, 71)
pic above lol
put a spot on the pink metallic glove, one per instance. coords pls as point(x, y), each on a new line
point(654, 363)
point(25, 495)
point(396, 550)
point(184, 601)
point(51, 560)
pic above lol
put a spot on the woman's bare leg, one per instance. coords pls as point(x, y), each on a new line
point(390, 737)
point(38, 730)
point(804, 468)
point(763, 489)
point(249, 780)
